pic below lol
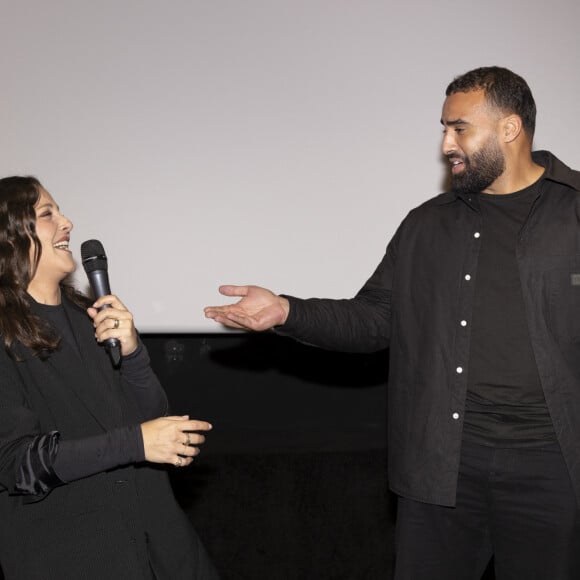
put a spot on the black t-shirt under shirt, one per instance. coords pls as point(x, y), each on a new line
point(505, 403)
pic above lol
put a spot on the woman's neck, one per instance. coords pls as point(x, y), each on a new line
point(45, 294)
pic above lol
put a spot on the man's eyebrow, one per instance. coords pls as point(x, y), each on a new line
point(455, 122)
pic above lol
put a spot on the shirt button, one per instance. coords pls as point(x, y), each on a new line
point(459, 370)
point(467, 277)
point(455, 416)
point(476, 235)
point(463, 323)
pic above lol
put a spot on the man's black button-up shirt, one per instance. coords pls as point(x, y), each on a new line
point(419, 302)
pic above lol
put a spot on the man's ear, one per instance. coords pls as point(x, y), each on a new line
point(511, 128)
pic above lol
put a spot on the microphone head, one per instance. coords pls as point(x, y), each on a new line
point(93, 256)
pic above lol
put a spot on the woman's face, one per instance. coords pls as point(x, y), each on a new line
point(53, 230)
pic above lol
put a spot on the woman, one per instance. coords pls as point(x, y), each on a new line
point(80, 494)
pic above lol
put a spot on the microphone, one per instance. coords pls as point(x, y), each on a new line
point(95, 265)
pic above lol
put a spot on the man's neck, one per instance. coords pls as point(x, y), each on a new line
point(516, 177)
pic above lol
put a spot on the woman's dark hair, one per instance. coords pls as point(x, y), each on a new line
point(504, 89)
point(18, 324)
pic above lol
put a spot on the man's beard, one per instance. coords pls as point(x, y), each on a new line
point(480, 171)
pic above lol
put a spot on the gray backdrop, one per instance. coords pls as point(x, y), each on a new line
point(277, 142)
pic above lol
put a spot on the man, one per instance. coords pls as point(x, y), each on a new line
point(478, 299)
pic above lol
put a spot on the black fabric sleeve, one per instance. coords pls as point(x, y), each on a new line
point(359, 324)
point(83, 457)
point(149, 394)
point(36, 474)
point(50, 461)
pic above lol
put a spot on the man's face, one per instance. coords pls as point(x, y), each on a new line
point(470, 142)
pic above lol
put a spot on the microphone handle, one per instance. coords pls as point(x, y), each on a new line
point(100, 283)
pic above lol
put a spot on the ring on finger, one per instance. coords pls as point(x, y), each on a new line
point(116, 323)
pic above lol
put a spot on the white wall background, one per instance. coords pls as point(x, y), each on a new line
point(275, 142)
